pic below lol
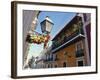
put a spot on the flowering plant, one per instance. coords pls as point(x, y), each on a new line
point(37, 38)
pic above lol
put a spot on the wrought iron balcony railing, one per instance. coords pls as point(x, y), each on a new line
point(50, 59)
point(65, 39)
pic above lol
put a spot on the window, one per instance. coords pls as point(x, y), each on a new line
point(51, 55)
point(55, 66)
point(79, 46)
point(79, 49)
point(48, 66)
point(64, 64)
point(80, 63)
point(56, 57)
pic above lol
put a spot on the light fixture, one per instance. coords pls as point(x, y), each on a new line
point(46, 25)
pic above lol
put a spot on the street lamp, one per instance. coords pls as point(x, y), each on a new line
point(46, 25)
point(35, 37)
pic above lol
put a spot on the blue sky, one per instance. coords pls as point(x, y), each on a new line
point(59, 19)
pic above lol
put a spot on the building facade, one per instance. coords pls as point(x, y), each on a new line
point(29, 23)
point(46, 59)
point(71, 47)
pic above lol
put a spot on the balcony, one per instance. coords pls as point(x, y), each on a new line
point(51, 59)
point(66, 39)
point(80, 53)
point(47, 60)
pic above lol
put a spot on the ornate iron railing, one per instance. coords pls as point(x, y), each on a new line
point(65, 39)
